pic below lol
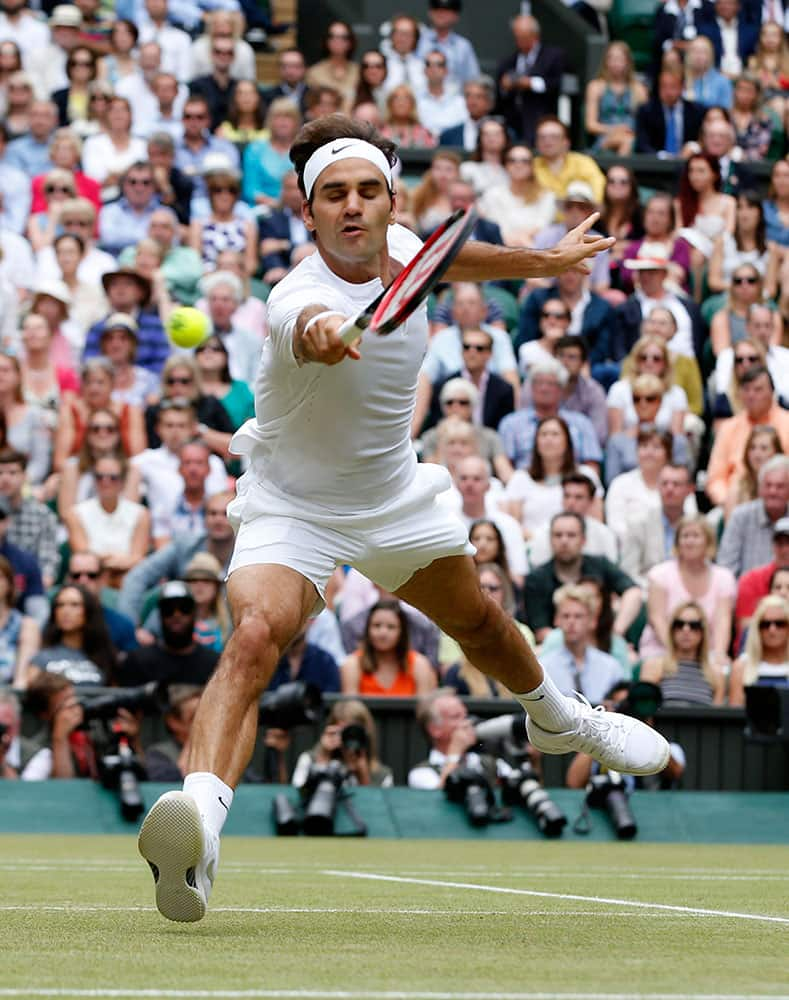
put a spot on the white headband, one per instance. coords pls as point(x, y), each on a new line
point(341, 149)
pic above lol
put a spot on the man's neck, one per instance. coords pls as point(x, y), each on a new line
point(221, 548)
point(759, 418)
point(571, 299)
point(577, 648)
point(195, 497)
point(570, 569)
point(673, 515)
point(543, 412)
point(436, 89)
point(195, 142)
point(474, 509)
point(178, 651)
point(221, 76)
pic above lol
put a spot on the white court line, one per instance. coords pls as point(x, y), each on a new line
point(294, 994)
point(70, 908)
point(697, 911)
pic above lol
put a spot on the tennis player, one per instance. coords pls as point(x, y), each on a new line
point(333, 480)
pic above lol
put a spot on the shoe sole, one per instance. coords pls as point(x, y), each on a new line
point(171, 838)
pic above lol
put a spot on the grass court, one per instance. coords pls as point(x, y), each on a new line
point(401, 920)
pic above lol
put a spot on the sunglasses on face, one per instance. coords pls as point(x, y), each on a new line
point(479, 348)
point(682, 623)
point(178, 380)
point(81, 62)
point(139, 181)
point(109, 477)
point(740, 359)
point(82, 223)
point(58, 189)
point(767, 623)
point(645, 399)
point(435, 62)
point(222, 52)
point(209, 347)
point(745, 280)
point(103, 429)
point(196, 117)
point(458, 402)
point(490, 588)
point(518, 159)
point(85, 574)
point(227, 189)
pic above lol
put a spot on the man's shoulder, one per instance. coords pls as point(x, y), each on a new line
point(22, 561)
point(746, 511)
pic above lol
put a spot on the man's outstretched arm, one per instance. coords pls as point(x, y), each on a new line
point(486, 262)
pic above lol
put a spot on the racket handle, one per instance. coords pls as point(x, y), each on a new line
point(351, 330)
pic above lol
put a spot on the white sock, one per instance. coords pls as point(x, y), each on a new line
point(213, 798)
point(549, 708)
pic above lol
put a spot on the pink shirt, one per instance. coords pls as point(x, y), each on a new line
point(722, 586)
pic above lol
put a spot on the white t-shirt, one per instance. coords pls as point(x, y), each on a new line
point(331, 441)
point(514, 544)
point(164, 484)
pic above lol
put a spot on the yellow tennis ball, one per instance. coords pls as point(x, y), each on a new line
point(187, 326)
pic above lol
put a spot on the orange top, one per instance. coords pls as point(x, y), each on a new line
point(728, 451)
point(404, 685)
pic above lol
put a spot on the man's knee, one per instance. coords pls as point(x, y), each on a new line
point(479, 626)
point(257, 639)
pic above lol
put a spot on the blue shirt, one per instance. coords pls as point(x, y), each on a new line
point(594, 678)
point(27, 575)
point(121, 629)
point(517, 433)
point(192, 163)
point(121, 226)
point(317, 667)
point(185, 13)
point(153, 347)
point(15, 190)
point(713, 90)
point(459, 52)
point(263, 170)
point(29, 155)
point(776, 230)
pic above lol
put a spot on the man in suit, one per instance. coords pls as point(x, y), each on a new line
point(462, 196)
point(528, 81)
point(667, 121)
point(281, 231)
point(292, 70)
point(649, 534)
point(719, 139)
point(676, 25)
point(733, 35)
point(496, 395)
point(479, 95)
point(650, 277)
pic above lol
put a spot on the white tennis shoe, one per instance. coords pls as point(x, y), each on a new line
point(183, 855)
point(619, 742)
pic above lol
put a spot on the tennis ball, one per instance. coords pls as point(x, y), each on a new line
point(187, 326)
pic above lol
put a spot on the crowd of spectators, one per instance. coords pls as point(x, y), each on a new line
point(618, 440)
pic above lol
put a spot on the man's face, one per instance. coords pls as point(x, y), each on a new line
point(222, 304)
point(477, 350)
point(718, 138)
point(85, 569)
point(573, 618)
point(669, 88)
point(178, 622)
point(194, 467)
point(175, 427)
point(12, 478)
point(477, 101)
point(472, 480)
point(157, 9)
point(450, 712)
point(573, 360)
point(546, 392)
point(567, 539)
point(435, 69)
point(461, 196)
point(524, 34)
point(159, 157)
point(180, 723)
point(291, 195)
point(65, 37)
point(443, 19)
point(124, 293)
point(576, 498)
point(651, 282)
point(674, 487)
point(138, 187)
point(551, 141)
point(576, 211)
point(222, 54)
point(165, 89)
point(774, 492)
point(727, 9)
point(781, 550)
point(757, 396)
point(468, 307)
point(42, 120)
point(162, 229)
point(217, 525)
point(195, 119)
point(291, 68)
point(351, 212)
point(760, 326)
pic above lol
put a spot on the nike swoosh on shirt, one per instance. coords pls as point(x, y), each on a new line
point(522, 699)
point(226, 808)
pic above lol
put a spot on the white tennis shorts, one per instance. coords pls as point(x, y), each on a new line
point(388, 548)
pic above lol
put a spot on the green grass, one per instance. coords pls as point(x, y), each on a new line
point(76, 914)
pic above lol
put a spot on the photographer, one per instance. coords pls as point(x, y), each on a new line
point(166, 760)
point(9, 732)
point(350, 737)
point(642, 701)
point(444, 718)
point(62, 748)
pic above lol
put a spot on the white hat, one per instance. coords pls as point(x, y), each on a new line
point(219, 163)
point(65, 15)
point(579, 191)
point(646, 264)
point(55, 289)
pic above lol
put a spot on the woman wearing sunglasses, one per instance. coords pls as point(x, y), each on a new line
point(728, 326)
point(44, 226)
point(181, 380)
point(73, 101)
point(685, 673)
point(234, 395)
point(649, 356)
point(766, 657)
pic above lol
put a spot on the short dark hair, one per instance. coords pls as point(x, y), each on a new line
point(317, 133)
point(579, 479)
point(9, 456)
point(552, 120)
point(572, 340)
point(756, 372)
point(651, 432)
point(573, 515)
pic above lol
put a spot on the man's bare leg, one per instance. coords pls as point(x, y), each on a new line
point(180, 835)
point(269, 605)
point(448, 591)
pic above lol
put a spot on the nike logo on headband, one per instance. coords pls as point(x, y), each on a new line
point(339, 149)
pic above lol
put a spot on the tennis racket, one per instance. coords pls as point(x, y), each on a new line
point(415, 282)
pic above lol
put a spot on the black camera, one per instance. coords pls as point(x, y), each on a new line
point(470, 786)
point(122, 772)
point(291, 705)
point(607, 791)
point(324, 790)
point(355, 739)
point(102, 706)
point(3, 729)
point(522, 787)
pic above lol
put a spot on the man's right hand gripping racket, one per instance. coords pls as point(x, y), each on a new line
point(415, 282)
